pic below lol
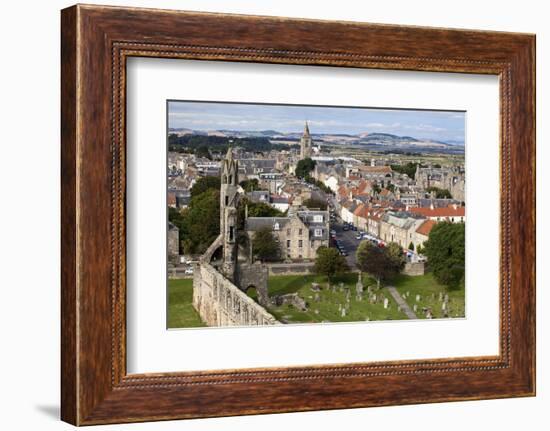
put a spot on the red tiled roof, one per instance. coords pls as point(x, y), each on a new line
point(449, 211)
point(376, 169)
point(426, 227)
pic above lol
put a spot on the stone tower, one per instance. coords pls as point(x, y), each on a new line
point(305, 143)
point(228, 213)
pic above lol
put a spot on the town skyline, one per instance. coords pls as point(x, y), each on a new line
point(446, 126)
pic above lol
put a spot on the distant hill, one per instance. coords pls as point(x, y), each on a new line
point(376, 140)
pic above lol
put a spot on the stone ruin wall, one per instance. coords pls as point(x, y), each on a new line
point(220, 303)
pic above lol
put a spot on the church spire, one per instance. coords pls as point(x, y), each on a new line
point(306, 130)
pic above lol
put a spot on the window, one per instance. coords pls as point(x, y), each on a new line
point(231, 233)
point(300, 232)
point(276, 226)
point(288, 243)
point(288, 232)
point(318, 232)
point(318, 218)
point(226, 200)
point(300, 243)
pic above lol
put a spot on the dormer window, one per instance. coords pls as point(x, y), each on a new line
point(276, 226)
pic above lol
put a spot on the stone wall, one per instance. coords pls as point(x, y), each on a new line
point(220, 303)
point(414, 268)
point(291, 268)
point(254, 275)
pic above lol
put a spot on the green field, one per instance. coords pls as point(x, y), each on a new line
point(429, 290)
point(181, 313)
point(328, 307)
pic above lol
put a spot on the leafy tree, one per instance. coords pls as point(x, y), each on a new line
point(203, 184)
point(409, 169)
point(411, 246)
point(264, 245)
point(219, 144)
point(376, 188)
point(382, 263)
point(390, 187)
point(420, 249)
point(203, 151)
point(445, 252)
point(396, 256)
point(329, 262)
point(440, 193)
point(304, 167)
point(201, 221)
point(250, 185)
point(315, 203)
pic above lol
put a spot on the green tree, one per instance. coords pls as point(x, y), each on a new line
point(205, 183)
point(382, 263)
point(411, 246)
point(396, 258)
point(304, 168)
point(329, 262)
point(250, 185)
point(445, 250)
point(409, 169)
point(264, 245)
point(312, 203)
point(440, 193)
point(201, 221)
point(203, 151)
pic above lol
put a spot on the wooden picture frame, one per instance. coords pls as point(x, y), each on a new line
point(95, 43)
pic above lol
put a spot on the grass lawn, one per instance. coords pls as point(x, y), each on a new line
point(328, 306)
point(429, 289)
point(181, 313)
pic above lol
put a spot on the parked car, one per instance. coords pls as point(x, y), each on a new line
point(346, 227)
point(333, 232)
point(359, 237)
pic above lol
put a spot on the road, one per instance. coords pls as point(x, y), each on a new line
point(347, 238)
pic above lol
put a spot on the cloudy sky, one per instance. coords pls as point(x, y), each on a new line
point(437, 125)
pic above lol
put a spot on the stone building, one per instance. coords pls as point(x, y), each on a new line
point(399, 227)
point(449, 178)
point(305, 143)
point(221, 278)
point(173, 242)
point(299, 234)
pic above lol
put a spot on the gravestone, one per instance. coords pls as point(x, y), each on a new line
point(415, 308)
point(359, 285)
point(418, 297)
point(343, 313)
point(386, 302)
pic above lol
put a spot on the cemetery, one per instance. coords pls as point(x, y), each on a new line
point(310, 299)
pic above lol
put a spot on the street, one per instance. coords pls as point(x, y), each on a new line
point(347, 239)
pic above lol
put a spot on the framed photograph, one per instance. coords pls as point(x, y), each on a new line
point(263, 214)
